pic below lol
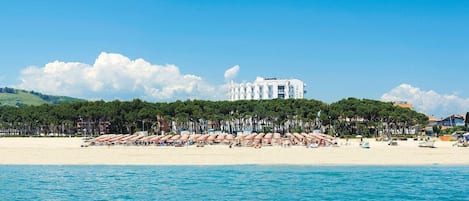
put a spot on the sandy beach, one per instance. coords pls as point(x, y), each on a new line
point(67, 151)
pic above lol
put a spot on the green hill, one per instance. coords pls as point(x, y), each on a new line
point(16, 97)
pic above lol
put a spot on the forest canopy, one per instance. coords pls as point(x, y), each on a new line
point(345, 117)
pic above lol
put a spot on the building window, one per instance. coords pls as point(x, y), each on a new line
point(281, 89)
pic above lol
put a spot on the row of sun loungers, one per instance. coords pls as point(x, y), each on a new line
point(253, 139)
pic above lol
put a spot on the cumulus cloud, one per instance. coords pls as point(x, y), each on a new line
point(428, 102)
point(114, 76)
point(231, 73)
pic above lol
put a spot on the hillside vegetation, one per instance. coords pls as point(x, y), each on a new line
point(21, 98)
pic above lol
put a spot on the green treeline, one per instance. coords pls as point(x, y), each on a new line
point(346, 117)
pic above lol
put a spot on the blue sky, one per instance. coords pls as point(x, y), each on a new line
point(415, 51)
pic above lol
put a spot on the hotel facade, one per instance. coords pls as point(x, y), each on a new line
point(267, 88)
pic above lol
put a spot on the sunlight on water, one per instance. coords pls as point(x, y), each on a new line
point(233, 183)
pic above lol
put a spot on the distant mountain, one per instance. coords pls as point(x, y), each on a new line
point(19, 98)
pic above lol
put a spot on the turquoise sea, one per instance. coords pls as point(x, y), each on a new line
point(244, 182)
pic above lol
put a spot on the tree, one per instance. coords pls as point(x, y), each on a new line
point(466, 121)
point(345, 117)
point(436, 129)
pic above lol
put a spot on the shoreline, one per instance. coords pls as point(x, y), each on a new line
point(67, 151)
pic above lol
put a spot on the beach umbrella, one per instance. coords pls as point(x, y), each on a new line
point(125, 138)
point(105, 139)
point(267, 138)
point(242, 136)
point(156, 138)
point(299, 136)
point(132, 139)
point(183, 138)
point(145, 139)
point(165, 138)
point(221, 137)
point(229, 137)
point(250, 137)
point(101, 137)
point(259, 136)
point(277, 136)
point(194, 137)
point(212, 137)
point(173, 138)
point(119, 139)
point(176, 137)
point(203, 137)
point(136, 138)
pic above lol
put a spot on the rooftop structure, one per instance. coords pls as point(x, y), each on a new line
point(453, 120)
point(403, 104)
point(267, 88)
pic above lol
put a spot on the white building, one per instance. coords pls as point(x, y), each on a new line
point(267, 88)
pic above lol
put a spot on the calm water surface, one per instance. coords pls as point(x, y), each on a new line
point(245, 182)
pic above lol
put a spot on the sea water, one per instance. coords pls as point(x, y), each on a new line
point(244, 182)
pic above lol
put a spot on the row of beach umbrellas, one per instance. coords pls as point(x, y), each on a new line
point(244, 139)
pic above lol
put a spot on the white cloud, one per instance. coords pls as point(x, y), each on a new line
point(428, 102)
point(231, 72)
point(117, 76)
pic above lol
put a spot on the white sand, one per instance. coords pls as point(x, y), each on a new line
point(67, 151)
